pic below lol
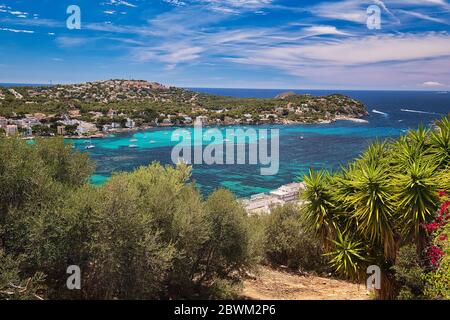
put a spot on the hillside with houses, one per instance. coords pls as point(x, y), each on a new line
point(96, 108)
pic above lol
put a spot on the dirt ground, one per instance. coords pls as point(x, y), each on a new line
point(271, 284)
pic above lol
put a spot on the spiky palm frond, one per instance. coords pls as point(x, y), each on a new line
point(373, 209)
point(416, 193)
point(319, 207)
point(348, 256)
point(440, 143)
point(411, 146)
point(375, 153)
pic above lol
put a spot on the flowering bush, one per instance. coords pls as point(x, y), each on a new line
point(436, 229)
point(438, 281)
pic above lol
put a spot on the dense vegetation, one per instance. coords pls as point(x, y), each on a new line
point(289, 242)
point(386, 199)
point(143, 235)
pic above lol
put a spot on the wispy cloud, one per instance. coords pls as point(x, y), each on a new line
point(120, 3)
point(70, 42)
point(16, 30)
point(422, 16)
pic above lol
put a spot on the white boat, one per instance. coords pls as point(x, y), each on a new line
point(302, 137)
point(90, 145)
point(152, 141)
point(133, 140)
point(132, 146)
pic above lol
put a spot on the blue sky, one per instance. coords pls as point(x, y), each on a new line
point(229, 43)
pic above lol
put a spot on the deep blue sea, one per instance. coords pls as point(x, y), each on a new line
point(323, 146)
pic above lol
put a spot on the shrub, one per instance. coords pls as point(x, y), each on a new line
point(147, 234)
point(289, 242)
point(409, 274)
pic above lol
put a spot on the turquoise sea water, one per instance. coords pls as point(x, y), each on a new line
point(323, 146)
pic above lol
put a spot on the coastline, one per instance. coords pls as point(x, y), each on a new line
point(284, 123)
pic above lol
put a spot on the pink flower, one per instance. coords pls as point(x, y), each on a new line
point(433, 226)
point(444, 207)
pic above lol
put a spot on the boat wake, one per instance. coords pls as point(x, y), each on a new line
point(418, 111)
point(380, 112)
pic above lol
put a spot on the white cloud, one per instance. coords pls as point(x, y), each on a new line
point(16, 30)
point(348, 10)
point(177, 3)
point(384, 61)
point(171, 55)
point(69, 42)
point(18, 13)
point(324, 30)
point(366, 50)
point(432, 84)
point(433, 3)
point(120, 3)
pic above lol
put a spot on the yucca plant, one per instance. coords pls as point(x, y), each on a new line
point(319, 207)
point(416, 194)
point(391, 190)
point(440, 143)
point(375, 153)
point(372, 202)
point(348, 256)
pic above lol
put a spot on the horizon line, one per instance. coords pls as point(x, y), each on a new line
point(444, 89)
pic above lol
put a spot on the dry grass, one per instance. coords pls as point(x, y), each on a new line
point(278, 284)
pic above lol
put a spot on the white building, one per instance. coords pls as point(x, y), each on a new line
point(11, 129)
point(201, 121)
point(187, 119)
point(262, 203)
point(288, 192)
point(86, 127)
point(130, 123)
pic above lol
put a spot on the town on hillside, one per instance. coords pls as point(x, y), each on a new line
point(95, 109)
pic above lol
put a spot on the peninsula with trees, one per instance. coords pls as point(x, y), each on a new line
point(96, 108)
